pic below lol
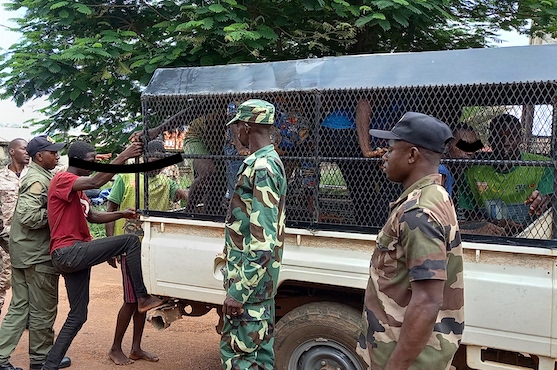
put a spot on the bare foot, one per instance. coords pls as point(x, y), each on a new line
point(144, 304)
point(119, 358)
point(142, 355)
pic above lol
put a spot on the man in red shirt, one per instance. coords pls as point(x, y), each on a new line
point(71, 246)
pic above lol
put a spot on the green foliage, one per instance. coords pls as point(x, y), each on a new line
point(92, 59)
point(98, 230)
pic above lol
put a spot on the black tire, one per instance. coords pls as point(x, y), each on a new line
point(318, 335)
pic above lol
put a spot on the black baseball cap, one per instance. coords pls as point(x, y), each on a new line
point(43, 142)
point(418, 129)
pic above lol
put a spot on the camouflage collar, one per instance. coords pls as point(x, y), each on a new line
point(262, 152)
point(7, 173)
point(433, 179)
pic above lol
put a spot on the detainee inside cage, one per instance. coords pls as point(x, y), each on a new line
point(499, 104)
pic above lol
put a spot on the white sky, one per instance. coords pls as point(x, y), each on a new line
point(11, 114)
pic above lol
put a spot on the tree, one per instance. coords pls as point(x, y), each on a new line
point(92, 58)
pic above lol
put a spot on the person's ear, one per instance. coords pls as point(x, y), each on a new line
point(413, 154)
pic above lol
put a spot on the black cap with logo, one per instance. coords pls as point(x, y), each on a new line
point(418, 129)
point(41, 143)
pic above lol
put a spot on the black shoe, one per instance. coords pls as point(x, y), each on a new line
point(9, 366)
point(66, 362)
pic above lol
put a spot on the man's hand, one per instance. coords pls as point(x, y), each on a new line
point(133, 150)
point(137, 136)
point(232, 307)
point(243, 151)
point(103, 157)
point(129, 213)
point(377, 153)
point(538, 203)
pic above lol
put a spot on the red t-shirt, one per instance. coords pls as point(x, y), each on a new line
point(67, 212)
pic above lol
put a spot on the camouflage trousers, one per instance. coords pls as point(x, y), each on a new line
point(247, 340)
point(5, 275)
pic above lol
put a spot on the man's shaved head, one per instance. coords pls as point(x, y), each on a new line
point(14, 142)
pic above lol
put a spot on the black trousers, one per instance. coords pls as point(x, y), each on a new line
point(75, 262)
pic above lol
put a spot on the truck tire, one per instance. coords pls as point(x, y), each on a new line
point(319, 335)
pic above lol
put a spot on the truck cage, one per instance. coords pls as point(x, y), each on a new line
point(319, 103)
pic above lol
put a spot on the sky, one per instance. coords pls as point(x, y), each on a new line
point(13, 115)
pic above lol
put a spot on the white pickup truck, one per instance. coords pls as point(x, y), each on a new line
point(510, 281)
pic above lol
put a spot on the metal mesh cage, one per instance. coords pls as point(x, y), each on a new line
point(335, 179)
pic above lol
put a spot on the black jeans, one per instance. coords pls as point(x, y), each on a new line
point(75, 262)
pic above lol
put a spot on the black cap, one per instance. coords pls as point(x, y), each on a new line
point(418, 129)
point(43, 142)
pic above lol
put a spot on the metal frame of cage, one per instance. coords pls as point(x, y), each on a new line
point(330, 184)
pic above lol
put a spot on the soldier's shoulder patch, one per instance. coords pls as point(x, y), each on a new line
point(36, 188)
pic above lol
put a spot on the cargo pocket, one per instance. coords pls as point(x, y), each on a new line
point(385, 257)
point(47, 279)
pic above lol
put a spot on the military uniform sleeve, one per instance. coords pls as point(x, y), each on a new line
point(256, 266)
point(424, 244)
point(31, 206)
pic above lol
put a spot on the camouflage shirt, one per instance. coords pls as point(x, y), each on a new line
point(254, 233)
point(9, 187)
point(420, 241)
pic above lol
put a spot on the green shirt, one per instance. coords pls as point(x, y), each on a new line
point(511, 188)
point(162, 191)
point(254, 233)
point(30, 234)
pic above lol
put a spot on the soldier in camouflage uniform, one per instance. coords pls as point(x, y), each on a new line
point(414, 302)
point(10, 179)
point(253, 246)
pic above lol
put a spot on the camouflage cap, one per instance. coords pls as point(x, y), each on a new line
point(255, 111)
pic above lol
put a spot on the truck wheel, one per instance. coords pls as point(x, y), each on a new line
point(320, 335)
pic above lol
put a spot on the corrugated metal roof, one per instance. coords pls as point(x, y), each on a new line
point(453, 67)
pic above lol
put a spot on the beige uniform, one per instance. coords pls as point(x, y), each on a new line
point(9, 188)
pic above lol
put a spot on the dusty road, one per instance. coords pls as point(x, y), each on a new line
point(190, 343)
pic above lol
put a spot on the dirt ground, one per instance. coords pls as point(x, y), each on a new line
point(190, 343)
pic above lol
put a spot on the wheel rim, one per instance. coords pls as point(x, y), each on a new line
point(323, 354)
